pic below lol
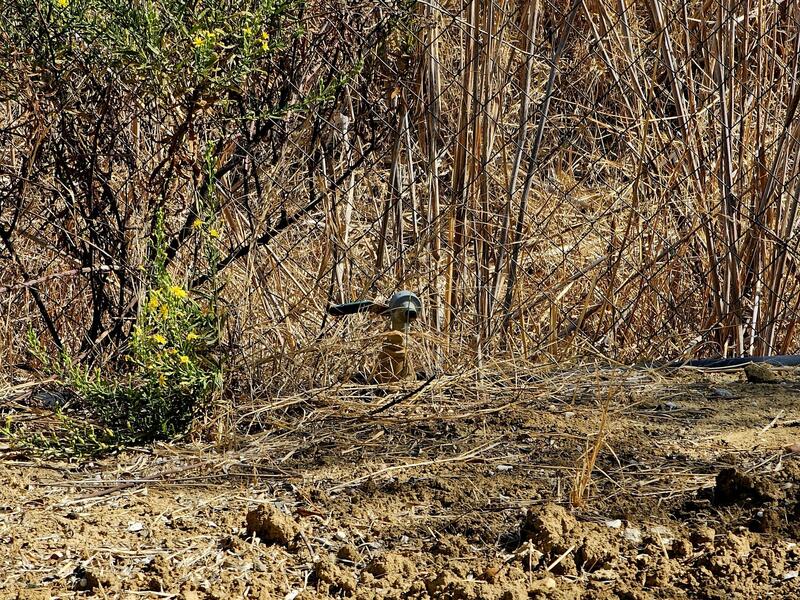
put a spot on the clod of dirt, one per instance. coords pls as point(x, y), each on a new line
point(88, 580)
point(738, 546)
point(760, 373)
point(189, 594)
point(548, 527)
point(552, 530)
point(349, 553)
point(766, 521)
point(681, 548)
point(596, 551)
point(450, 545)
point(160, 572)
point(450, 585)
point(335, 577)
point(392, 567)
point(702, 535)
point(272, 526)
point(733, 487)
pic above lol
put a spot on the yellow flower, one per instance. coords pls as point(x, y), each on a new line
point(162, 381)
point(164, 310)
point(213, 233)
point(191, 336)
point(199, 39)
point(247, 31)
point(153, 304)
point(265, 41)
point(158, 338)
point(184, 359)
point(198, 223)
point(62, 3)
point(178, 291)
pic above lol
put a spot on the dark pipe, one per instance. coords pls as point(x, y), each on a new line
point(350, 308)
point(783, 360)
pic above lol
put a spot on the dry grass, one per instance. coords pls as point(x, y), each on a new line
point(579, 494)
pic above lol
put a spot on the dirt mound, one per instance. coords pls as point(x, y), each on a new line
point(734, 487)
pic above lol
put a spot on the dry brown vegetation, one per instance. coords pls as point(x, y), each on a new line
point(554, 179)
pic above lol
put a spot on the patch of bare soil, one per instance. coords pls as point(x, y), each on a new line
point(694, 495)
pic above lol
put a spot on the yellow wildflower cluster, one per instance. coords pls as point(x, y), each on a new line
point(62, 3)
point(206, 39)
point(265, 41)
point(199, 224)
point(178, 291)
point(158, 338)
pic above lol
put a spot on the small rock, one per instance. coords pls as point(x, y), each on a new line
point(722, 393)
point(614, 524)
point(259, 566)
point(135, 526)
point(662, 533)
point(790, 575)
point(760, 373)
point(341, 535)
point(633, 534)
point(603, 575)
point(547, 583)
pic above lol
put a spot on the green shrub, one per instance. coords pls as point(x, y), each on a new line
point(173, 367)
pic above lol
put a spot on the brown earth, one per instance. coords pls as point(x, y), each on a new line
point(694, 495)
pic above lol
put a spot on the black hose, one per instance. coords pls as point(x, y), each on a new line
point(781, 360)
point(350, 308)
